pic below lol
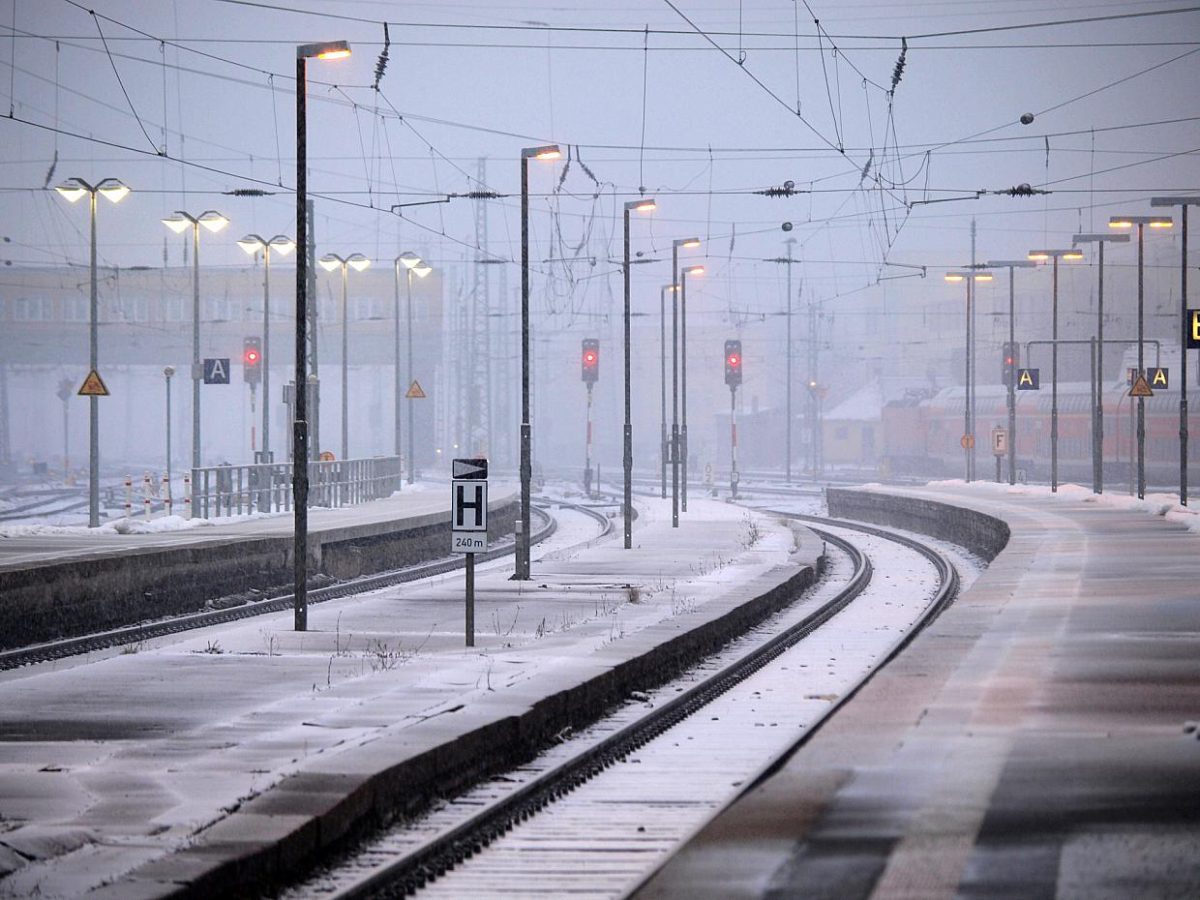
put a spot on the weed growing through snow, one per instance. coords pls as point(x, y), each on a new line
point(753, 532)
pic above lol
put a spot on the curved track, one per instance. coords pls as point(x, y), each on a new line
point(404, 861)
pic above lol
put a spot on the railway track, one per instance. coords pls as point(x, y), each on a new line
point(134, 634)
point(565, 823)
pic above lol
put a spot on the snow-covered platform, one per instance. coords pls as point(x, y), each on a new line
point(58, 582)
point(206, 763)
point(1037, 740)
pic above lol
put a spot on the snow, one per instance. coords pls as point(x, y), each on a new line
point(1166, 506)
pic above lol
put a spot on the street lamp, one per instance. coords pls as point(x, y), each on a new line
point(1183, 203)
point(304, 52)
point(1011, 264)
point(411, 264)
point(1042, 256)
point(113, 190)
point(549, 151)
point(1098, 414)
point(674, 446)
point(664, 447)
point(1126, 222)
point(645, 204)
point(968, 438)
point(788, 261)
point(179, 223)
point(690, 270)
point(330, 262)
point(282, 245)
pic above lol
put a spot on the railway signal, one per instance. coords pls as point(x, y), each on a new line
point(1010, 360)
point(590, 372)
point(733, 363)
point(252, 361)
point(590, 361)
point(733, 378)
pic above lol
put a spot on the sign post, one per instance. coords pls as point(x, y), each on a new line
point(468, 523)
point(999, 447)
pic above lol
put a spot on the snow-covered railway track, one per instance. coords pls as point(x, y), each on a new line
point(594, 814)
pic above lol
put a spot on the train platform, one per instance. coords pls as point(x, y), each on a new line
point(62, 582)
point(23, 546)
point(1037, 740)
point(206, 764)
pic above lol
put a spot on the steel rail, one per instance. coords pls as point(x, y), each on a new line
point(439, 854)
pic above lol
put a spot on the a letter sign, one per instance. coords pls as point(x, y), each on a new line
point(1193, 329)
point(1028, 379)
point(468, 506)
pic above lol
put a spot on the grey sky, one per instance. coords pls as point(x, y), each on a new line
point(697, 129)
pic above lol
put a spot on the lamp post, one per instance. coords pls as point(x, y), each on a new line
point(683, 434)
point(1055, 256)
point(179, 223)
point(645, 204)
point(1184, 328)
point(1011, 398)
point(304, 52)
point(674, 445)
point(664, 447)
point(112, 189)
point(788, 261)
point(1125, 222)
point(168, 371)
point(550, 151)
point(1098, 414)
point(329, 262)
point(968, 438)
point(282, 245)
point(411, 264)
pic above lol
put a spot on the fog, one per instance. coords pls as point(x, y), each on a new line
point(876, 164)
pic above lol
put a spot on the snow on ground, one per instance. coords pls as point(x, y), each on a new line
point(189, 726)
point(1165, 505)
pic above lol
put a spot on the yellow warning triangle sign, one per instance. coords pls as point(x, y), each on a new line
point(415, 392)
point(93, 386)
point(1141, 388)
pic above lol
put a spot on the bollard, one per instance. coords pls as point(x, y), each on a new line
point(146, 494)
point(187, 496)
point(166, 494)
point(128, 496)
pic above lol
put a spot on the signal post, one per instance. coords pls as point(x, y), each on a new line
point(733, 378)
point(468, 524)
point(590, 374)
point(252, 375)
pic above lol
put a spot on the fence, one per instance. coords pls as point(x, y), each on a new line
point(228, 490)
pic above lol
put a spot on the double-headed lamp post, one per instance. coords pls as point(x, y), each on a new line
point(1054, 256)
point(670, 450)
point(683, 432)
point(113, 190)
point(282, 245)
point(304, 52)
point(179, 223)
point(1098, 412)
point(1184, 333)
point(549, 151)
point(1011, 397)
point(330, 262)
point(1127, 222)
point(968, 438)
point(645, 204)
point(411, 264)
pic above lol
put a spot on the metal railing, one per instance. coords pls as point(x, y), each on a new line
point(228, 490)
